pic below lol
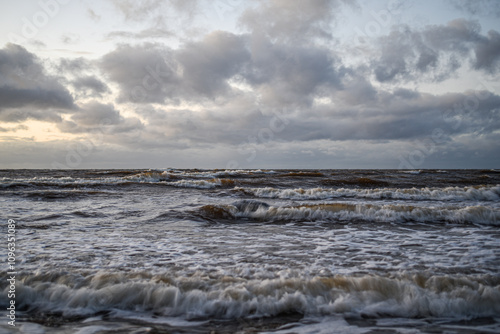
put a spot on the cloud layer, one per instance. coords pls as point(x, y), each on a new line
point(276, 92)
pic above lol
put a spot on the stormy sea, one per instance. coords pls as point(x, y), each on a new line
point(250, 251)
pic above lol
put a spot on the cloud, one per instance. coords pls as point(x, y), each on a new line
point(137, 10)
point(286, 20)
point(25, 85)
point(282, 90)
point(90, 86)
point(95, 117)
point(93, 15)
point(14, 129)
point(73, 65)
point(435, 52)
point(145, 73)
point(478, 7)
point(487, 52)
point(199, 70)
point(70, 38)
point(153, 32)
point(207, 65)
point(290, 74)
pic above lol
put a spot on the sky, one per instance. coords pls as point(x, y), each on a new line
point(242, 84)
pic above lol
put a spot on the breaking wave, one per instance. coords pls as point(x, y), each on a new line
point(345, 212)
point(484, 193)
point(230, 297)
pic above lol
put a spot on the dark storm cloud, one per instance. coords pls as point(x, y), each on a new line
point(25, 85)
point(436, 52)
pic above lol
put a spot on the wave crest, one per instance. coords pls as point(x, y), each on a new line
point(224, 297)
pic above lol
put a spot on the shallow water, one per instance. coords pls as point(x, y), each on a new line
point(195, 251)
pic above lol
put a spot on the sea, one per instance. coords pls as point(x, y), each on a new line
point(250, 251)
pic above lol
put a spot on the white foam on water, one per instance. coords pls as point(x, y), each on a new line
point(198, 184)
point(483, 193)
point(415, 172)
point(369, 212)
point(412, 296)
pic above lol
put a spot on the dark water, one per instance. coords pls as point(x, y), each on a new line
point(282, 251)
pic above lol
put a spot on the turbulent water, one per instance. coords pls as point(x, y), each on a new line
point(281, 251)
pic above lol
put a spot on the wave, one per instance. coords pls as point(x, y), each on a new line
point(414, 172)
point(163, 178)
point(62, 182)
point(484, 193)
point(213, 173)
point(202, 184)
point(348, 212)
point(234, 297)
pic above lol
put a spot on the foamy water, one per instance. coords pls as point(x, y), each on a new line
point(288, 251)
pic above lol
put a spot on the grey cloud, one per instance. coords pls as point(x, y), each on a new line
point(356, 90)
point(30, 112)
point(456, 36)
point(93, 15)
point(478, 7)
point(145, 74)
point(292, 19)
point(402, 115)
point(13, 97)
point(487, 52)
point(95, 113)
point(90, 86)
point(280, 71)
point(137, 10)
point(153, 32)
point(95, 117)
point(73, 66)
point(290, 74)
point(164, 11)
point(14, 129)
point(436, 52)
point(70, 38)
point(24, 84)
point(208, 64)
point(199, 70)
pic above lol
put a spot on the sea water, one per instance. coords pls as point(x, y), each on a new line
point(279, 251)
